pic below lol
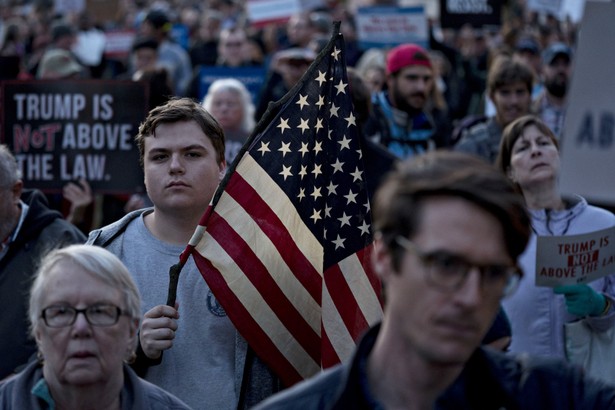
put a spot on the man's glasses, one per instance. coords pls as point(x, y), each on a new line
point(96, 315)
point(448, 271)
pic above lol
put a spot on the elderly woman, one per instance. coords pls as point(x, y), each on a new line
point(230, 103)
point(84, 312)
point(529, 155)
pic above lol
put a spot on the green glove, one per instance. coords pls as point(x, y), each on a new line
point(581, 300)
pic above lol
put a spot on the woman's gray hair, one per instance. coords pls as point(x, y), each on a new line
point(96, 261)
point(237, 87)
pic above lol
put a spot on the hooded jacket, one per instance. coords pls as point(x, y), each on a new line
point(42, 230)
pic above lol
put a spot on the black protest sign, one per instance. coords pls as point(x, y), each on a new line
point(477, 13)
point(61, 131)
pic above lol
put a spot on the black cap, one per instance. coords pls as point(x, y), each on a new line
point(157, 18)
point(554, 50)
point(528, 44)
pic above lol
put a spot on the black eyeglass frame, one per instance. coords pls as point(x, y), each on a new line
point(513, 274)
point(87, 311)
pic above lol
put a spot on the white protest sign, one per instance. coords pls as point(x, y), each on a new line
point(262, 12)
point(588, 141)
point(381, 27)
point(68, 6)
point(553, 7)
point(574, 259)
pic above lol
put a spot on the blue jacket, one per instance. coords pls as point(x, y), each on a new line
point(490, 380)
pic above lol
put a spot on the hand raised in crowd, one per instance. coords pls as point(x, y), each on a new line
point(135, 202)
point(158, 330)
point(80, 197)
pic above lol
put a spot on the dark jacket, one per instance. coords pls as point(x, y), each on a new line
point(482, 139)
point(16, 393)
point(42, 230)
point(490, 380)
point(405, 134)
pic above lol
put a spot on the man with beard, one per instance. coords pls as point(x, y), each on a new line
point(551, 103)
point(509, 85)
point(408, 118)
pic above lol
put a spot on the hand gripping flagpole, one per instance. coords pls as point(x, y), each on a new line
point(176, 269)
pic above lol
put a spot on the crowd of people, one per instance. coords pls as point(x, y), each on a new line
point(471, 126)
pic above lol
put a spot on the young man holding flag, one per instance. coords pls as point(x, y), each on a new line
point(205, 359)
point(284, 244)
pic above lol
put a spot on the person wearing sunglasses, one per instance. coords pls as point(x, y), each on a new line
point(84, 312)
point(449, 229)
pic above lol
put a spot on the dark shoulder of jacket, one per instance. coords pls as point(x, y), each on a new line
point(143, 394)
point(40, 217)
point(105, 235)
point(463, 125)
point(318, 392)
point(543, 382)
point(376, 126)
point(39, 214)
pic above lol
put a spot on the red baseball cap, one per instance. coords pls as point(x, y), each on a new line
point(405, 55)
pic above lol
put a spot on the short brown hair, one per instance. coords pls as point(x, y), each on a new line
point(513, 132)
point(506, 70)
point(177, 110)
point(399, 200)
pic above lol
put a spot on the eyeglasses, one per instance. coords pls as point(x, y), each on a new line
point(448, 271)
point(96, 315)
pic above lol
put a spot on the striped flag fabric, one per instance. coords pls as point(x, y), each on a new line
point(285, 244)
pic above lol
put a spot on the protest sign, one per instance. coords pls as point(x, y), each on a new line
point(263, 12)
point(574, 259)
point(477, 13)
point(252, 77)
point(61, 131)
point(383, 27)
point(588, 140)
point(552, 7)
point(103, 11)
point(68, 6)
point(118, 43)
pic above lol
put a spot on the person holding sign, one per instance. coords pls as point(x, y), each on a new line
point(529, 155)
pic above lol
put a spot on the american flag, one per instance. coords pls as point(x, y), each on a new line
point(285, 245)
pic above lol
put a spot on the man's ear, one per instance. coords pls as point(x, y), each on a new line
point(222, 167)
point(16, 190)
point(382, 260)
